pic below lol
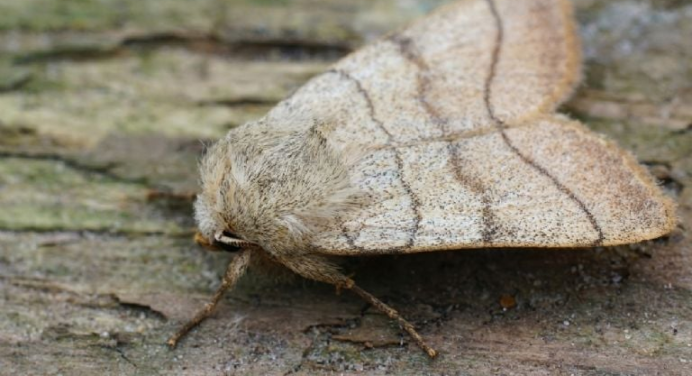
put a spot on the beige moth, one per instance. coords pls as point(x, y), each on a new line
point(440, 136)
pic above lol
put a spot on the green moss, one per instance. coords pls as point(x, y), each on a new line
point(265, 3)
point(158, 92)
point(39, 15)
point(649, 142)
point(93, 15)
point(48, 195)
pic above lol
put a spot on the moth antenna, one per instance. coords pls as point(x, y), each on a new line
point(234, 242)
point(235, 270)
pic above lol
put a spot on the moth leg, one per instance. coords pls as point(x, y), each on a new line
point(236, 268)
point(394, 315)
point(318, 269)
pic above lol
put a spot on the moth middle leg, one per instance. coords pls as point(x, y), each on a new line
point(318, 269)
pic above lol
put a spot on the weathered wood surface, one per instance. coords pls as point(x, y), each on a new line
point(102, 108)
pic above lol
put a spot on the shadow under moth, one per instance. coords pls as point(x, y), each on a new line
point(440, 136)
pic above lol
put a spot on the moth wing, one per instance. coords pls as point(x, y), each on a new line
point(557, 185)
point(463, 151)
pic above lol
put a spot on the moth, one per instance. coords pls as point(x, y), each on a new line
point(440, 136)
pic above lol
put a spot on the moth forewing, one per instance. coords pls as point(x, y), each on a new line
point(463, 150)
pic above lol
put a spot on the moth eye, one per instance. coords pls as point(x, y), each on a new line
point(226, 247)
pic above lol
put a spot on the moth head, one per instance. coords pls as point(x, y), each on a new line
point(215, 229)
point(233, 210)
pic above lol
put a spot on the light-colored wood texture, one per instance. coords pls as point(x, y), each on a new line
point(100, 141)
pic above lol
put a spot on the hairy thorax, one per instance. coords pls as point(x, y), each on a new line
point(274, 189)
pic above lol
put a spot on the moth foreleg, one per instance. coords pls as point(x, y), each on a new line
point(316, 268)
point(236, 268)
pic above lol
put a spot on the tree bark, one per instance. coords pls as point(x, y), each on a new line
point(102, 109)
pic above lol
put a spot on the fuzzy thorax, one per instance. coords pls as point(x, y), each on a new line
point(275, 189)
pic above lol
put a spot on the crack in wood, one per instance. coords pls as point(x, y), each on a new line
point(207, 44)
point(103, 170)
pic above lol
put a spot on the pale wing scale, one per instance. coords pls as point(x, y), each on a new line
point(539, 58)
point(622, 197)
point(526, 208)
point(455, 111)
